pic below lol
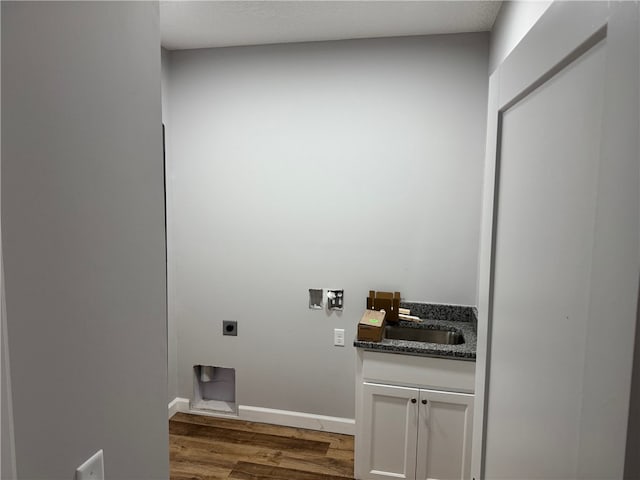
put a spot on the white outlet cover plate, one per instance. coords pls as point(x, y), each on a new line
point(92, 469)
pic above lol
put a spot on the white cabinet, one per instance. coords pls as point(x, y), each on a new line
point(416, 430)
point(445, 420)
point(390, 423)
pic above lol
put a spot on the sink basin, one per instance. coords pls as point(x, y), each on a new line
point(394, 332)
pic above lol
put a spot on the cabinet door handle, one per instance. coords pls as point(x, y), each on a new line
point(424, 401)
point(413, 400)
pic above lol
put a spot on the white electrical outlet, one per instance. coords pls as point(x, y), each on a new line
point(338, 337)
point(92, 469)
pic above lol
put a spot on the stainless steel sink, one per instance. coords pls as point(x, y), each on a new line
point(395, 332)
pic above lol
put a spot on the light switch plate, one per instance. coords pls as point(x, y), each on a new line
point(338, 337)
point(92, 469)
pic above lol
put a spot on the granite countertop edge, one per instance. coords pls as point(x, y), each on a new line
point(465, 351)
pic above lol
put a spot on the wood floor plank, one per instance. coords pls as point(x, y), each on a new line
point(341, 454)
point(222, 455)
point(185, 476)
point(202, 447)
point(208, 448)
point(222, 459)
point(316, 464)
point(240, 437)
point(198, 471)
point(254, 471)
point(178, 475)
point(337, 441)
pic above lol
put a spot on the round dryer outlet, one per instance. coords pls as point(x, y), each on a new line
point(230, 327)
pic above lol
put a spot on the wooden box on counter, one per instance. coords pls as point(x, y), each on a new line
point(371, 326)
point(387, 301)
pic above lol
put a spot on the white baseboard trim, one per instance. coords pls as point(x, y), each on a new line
point(178, 405)
point(285, 418)
point(288, 418)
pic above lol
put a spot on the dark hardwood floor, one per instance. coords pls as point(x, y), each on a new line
point(208, 448)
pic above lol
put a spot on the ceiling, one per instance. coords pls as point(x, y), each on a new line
point(205, 24)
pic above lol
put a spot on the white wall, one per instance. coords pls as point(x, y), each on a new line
point(632, 460)
point(354, 164)
point(83, 236)
point(172, 344)
point(514, 20)
point(7, 446)
point(7, 439)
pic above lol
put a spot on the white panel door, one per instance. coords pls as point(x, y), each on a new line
point(564, 266)
point(546, 218)
point(444, 435)
point(390, 431)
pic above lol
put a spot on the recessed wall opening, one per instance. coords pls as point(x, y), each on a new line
point(214, 389)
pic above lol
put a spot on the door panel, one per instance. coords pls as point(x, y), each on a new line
point(390, 431)
point(444, 435)
point(544, 239)
point(562, 288)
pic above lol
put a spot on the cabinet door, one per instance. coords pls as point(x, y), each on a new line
point(388, 446)
point(444, 435)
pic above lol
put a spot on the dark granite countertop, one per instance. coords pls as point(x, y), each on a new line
point(447, 317)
